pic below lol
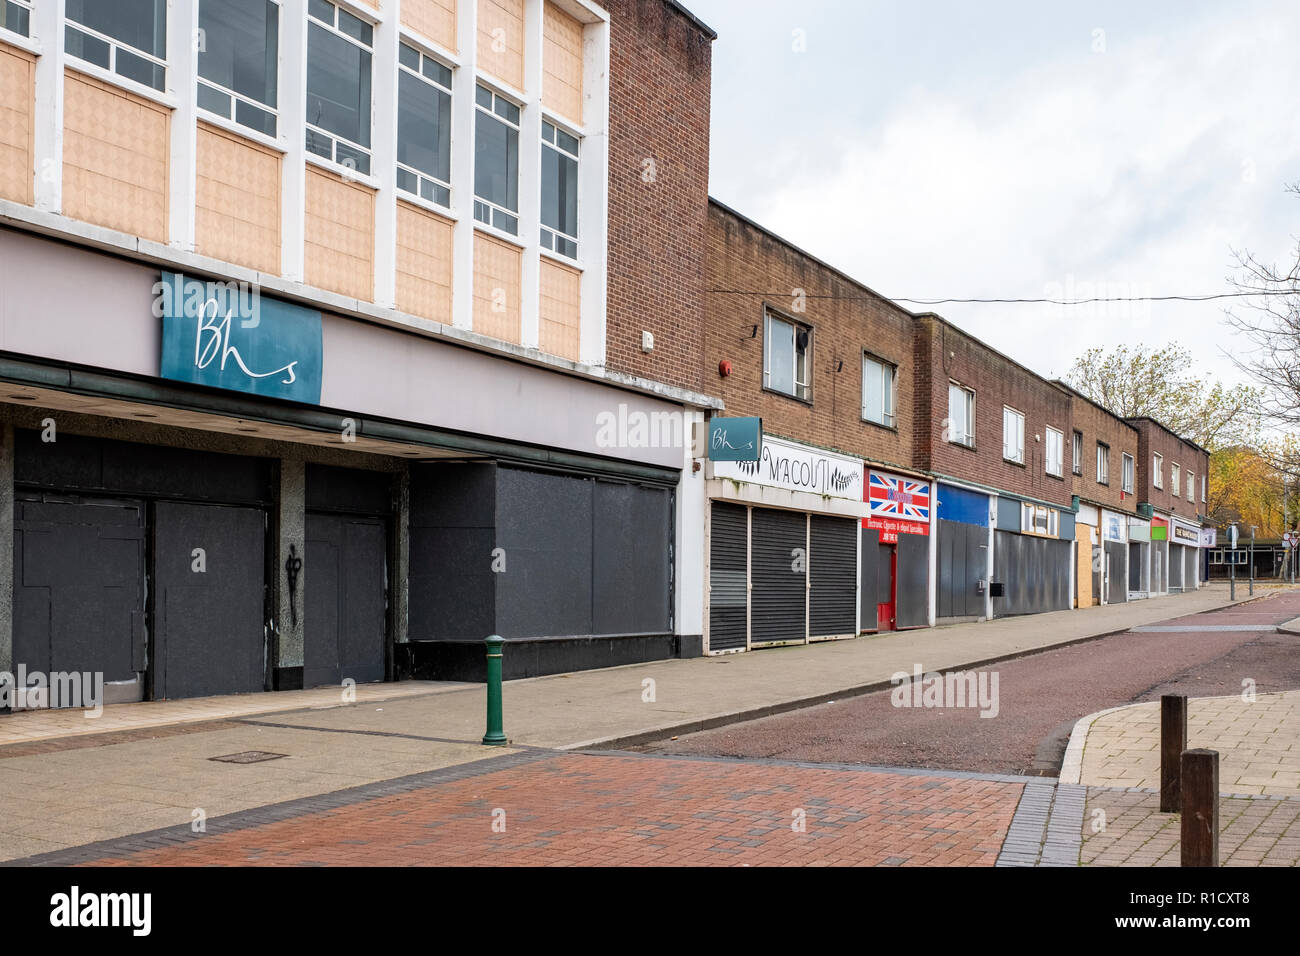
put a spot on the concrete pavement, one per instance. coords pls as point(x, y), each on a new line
point(62, 791)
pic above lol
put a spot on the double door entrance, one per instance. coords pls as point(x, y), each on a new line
point(166, 599)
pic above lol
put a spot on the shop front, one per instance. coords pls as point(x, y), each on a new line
point(1184, 555)
point(1139, 559)
point(963, 554)
point(1112, 575)
point(782, 547)
point(895, 583)
point(1032, 557)
point(1087, 556)
point(1160, 578)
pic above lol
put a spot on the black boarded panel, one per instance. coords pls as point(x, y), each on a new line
point(779, 575)
point(913, 598)
point(452, 537)
point(349, 489)
point(544, 523)
point(833, 566)
point(346, 599)
point(1135, 567)
point(209, 625)
point(79, 587)
point(631, 563)
point(100, 465)
point(728, 592)
point(872, 553)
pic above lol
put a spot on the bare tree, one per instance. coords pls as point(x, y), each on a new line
point(1162, 384)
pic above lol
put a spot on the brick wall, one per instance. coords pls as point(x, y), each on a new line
point(1155, 439)
point(944, 353)
point(1097, 424)
point(743, 256)
point(659, 88)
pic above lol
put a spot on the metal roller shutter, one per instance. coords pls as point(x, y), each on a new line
point(833, 565)
point(728, 556)
point(779, 599)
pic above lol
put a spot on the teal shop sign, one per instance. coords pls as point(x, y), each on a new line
point(227, 335)
point(735, 439)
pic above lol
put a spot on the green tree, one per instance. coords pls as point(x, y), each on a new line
point(1163, 384)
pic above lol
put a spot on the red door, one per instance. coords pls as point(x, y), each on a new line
point(886, 617)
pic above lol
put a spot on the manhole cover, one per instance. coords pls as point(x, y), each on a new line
point(248, 756)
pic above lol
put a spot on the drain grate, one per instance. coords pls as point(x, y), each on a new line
point(248, 756)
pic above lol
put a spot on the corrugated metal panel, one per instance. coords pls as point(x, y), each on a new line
point(1117, 553)
point(834, 567)
point(728, 544)
point(913, 600)
point(873, 553)
point(962, 562)
point(1035, 573)
point(779, 573)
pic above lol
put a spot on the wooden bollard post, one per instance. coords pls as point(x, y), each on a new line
point(1200, 786)
point(1173, 741)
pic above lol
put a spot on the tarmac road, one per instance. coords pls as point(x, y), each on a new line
point(1039, 699)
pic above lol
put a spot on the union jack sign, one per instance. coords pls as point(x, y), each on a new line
point(897, 504)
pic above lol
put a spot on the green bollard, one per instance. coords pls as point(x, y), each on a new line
point(495, 735)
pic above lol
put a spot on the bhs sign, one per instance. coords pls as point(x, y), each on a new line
point(216, 334)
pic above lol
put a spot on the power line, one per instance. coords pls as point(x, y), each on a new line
point(1043, 301)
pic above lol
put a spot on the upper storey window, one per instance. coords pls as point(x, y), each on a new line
point(423, 126)
point(126, 37)
point(339, 51)
point(496, 161)
point(238, 49)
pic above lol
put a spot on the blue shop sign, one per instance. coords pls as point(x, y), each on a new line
point(735, 439)
point(228, 335)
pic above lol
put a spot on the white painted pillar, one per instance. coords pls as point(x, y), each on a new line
point(292, 129)
point(47, 135)
point(689, 548)
point(182, 74)
point(383, 164)
point(530, 177)
point(593, 198)
point(462, 166)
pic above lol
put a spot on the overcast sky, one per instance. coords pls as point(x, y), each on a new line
point(1018, 149)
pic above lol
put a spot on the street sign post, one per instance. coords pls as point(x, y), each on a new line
point(1232, 565)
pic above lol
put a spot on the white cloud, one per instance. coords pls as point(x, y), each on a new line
point(1123, 169)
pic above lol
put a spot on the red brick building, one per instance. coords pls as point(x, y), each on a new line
point(1173, 474)
point(659, 93)
point(1111, 540)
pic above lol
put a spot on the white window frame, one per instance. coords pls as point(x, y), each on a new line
point(113, 45)
point(1204, 481)
point(806, 396)
point(26, 5)
point(421, 177)
point(1040, 520)
point(1191, 486)
point(966, 437)
point(1076, 453)
point(1158, 470)
point(200, 79)
point(1103, 463)
point(888, 379)
point(543, 229)
point(1126, 478)
point(334, 138)
point(516, 235)
point(1175, 480)
point(1016, 419)
point(1049, 431)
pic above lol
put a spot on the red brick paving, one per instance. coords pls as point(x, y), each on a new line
point(588, 810)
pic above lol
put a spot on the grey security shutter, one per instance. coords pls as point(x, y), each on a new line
point(779, 571)
point(728, 546)
point(913, 598)
point(833, 558)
